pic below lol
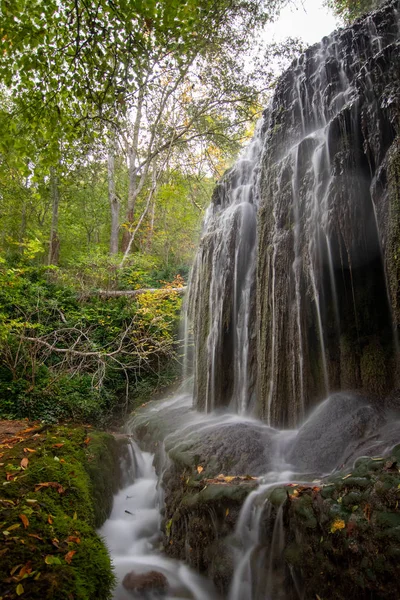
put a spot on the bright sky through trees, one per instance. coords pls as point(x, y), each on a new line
point(306, 19)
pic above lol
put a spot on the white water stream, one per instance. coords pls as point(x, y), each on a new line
point(132, 537)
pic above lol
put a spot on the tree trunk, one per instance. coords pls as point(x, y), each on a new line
point(134, 186)
point(113, 199)
point(150, 236)
point(54, 246)
point(132, 195)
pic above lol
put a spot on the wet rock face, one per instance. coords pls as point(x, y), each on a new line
point(325, 282)
point(308, 303)
point(332, 432)
point(228, 447)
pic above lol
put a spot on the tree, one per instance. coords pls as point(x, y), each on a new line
point(349, 10)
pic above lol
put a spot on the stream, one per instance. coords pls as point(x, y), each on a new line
point(132, 536)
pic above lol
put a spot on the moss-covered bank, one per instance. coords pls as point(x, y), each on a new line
point(57, 487)
point(342, 536)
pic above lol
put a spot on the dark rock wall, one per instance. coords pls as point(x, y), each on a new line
point(321, 294)
point(328, 223)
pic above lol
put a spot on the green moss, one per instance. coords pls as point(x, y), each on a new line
point(62, 493)
point(373, 368)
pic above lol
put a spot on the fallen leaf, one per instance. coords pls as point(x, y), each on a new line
point(31, 501)
point(87, 441)
point(29, 430)
point(24, 463)
point(199, 469)
point(15, 569)
point(50, 520)
point(26, 569)
point(75, 516)
point(347, 476)
point(29, 450)
point(367, 512)
point(13, 527)
point(52, 484)
point(73, 539)
point(69, 555)
point(10, 476)
point(19, 589)
point(34, 535)
point(337, 525)
point(52, 560)
point(58, 445)
point(24, 520)
point(227, 512)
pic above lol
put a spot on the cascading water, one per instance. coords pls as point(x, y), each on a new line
point(222, 288)
point(323, 235)
point(132, 532)
point(294, 293)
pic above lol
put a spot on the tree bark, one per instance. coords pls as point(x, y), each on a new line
point(54, 246)
point(113, 199)
point(134, 187)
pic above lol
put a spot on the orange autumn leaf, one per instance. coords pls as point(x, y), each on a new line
point(26, 569)
point(200, 469)
point(29, 450)
point(50, 520)
point(73, 539)
point(28, 430)
point(367, 512)
point(69, 555)
point(52, 484)
point(57, 445)
point(87, 441)
point(24, 520)
point(24, 463)
point(337, 525)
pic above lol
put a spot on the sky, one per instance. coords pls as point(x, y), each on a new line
point(307, 19)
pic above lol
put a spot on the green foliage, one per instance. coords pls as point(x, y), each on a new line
point(66, 358)
point(350, 10)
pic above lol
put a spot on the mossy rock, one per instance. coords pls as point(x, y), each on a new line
point(346, 529)
point(58, 484)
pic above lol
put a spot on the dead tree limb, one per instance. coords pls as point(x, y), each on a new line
point(162, 292)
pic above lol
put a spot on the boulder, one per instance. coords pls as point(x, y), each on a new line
point(146, 585)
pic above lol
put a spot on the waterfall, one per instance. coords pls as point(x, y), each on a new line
point(222, 295)
point(295, 306)
point(298, 241)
